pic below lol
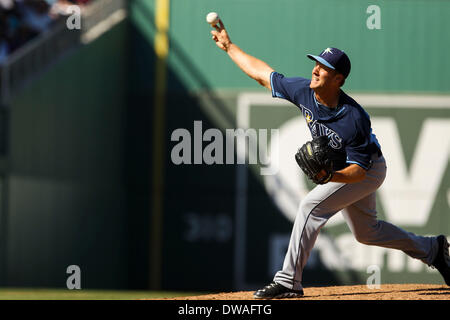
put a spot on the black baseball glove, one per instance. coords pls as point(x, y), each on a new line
point(314, 159)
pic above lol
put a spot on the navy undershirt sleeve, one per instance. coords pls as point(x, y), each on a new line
point(287, 88)
point(358, 149)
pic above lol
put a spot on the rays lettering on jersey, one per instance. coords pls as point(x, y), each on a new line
point(319, 129)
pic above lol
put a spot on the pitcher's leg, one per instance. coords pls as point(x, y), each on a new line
point(362, 221)
point(313, 213)
point(315, 210)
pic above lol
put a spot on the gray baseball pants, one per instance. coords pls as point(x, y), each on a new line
point(358, 204)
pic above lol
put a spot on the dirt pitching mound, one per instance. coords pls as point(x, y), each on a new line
point(360, 292)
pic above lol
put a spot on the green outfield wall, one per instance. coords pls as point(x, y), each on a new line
point(85, 170)
point(66, 200)
point(400, 56)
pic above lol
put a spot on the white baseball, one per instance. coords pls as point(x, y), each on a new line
point(212, 18)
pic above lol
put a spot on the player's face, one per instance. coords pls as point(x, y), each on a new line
point(322, 76)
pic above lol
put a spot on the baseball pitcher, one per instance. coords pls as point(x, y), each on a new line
point(344, 159)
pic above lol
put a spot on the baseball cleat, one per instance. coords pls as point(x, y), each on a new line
point(277, 291)
point(442, 260)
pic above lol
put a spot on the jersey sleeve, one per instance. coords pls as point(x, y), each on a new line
point(287, 88)
point(359, 149)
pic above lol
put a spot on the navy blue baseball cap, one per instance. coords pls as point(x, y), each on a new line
point(335, 59)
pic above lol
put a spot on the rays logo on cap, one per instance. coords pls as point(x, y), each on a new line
point(327, 50)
